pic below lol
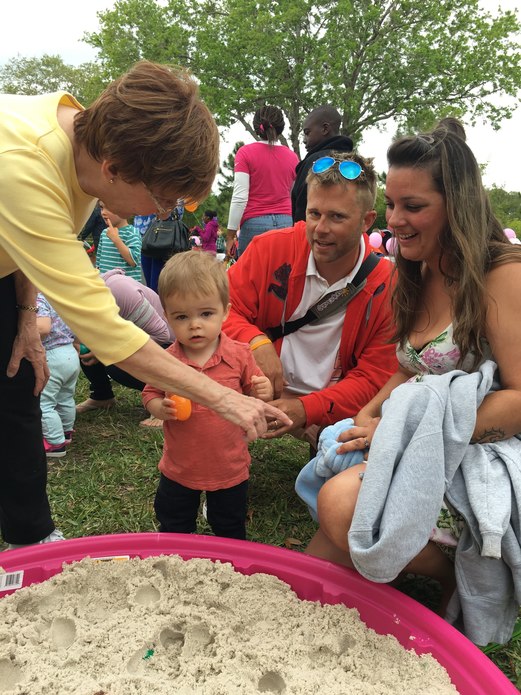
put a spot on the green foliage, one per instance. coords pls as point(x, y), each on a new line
point(412, 62)
point(50, 74)
point(380, 222)
point(139, 29)
point(507, 207)
point(400, 59)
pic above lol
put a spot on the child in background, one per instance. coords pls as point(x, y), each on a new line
point(119, 246)
point(220, 245)
point(204, 452)
point(57, 398)
point(208, 234)
point(195, 239)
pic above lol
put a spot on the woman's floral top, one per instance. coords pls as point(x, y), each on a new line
point(439, 356)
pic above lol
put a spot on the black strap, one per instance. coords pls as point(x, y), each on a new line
point(330, 303)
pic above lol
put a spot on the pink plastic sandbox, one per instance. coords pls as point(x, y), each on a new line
point(382, 608)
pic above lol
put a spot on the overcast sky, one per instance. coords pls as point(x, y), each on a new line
point(34, 27)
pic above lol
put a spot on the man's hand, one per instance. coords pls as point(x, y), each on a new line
point(294, 409)
point(269, 363)
point(28, 345)
point(249, 413)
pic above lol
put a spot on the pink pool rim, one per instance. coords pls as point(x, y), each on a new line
point(382, 608)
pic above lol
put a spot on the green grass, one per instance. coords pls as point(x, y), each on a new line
point(106, 484)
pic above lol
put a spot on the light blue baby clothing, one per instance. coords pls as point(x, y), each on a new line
point(326, 464)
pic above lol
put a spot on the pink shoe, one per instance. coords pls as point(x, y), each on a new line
point(54, 451)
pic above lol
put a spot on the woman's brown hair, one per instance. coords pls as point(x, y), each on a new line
point(471, 244)
point(153, 127)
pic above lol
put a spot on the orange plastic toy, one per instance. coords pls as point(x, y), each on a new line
point(183, 406)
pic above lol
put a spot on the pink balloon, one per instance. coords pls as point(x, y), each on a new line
point(375, 239)
point(509, 233)
point(391, 246)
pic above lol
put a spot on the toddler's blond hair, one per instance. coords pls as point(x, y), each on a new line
point(195, 273)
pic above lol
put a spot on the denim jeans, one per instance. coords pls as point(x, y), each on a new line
point(151, 268)
point(259, 225)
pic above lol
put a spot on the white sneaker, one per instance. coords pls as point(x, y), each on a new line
point(56, 535)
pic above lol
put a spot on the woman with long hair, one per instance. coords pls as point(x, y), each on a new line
point(456, 306)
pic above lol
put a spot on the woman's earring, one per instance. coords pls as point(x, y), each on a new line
point(111, 180)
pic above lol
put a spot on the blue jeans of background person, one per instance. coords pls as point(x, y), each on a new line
point(25, 515)
point(176, 508)
point(259, 225)
point(57, 399)
point(151, 268)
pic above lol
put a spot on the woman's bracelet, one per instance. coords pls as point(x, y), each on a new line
point(264, 341)
point(27, 307)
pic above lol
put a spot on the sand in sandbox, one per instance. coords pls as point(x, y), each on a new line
point(162, 625)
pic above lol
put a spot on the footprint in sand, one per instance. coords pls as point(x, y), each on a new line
point(196, 638)
point(335, 644)
point(10, 675)
point(146, 595)
point(137, 661)
point(272, 682)
point(172, 638)
point(63, 633)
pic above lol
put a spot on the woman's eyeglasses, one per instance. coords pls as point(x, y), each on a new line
point(162, 206)
point(349, 169)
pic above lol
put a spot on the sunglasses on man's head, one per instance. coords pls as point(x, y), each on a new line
point(349, 169)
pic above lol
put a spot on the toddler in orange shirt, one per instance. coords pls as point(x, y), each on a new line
point(203, 452)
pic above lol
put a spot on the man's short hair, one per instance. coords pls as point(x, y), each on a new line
point(194, 273)
point(366, 182)
point(326, 114)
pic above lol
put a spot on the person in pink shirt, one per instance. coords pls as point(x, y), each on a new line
point(203, 452)
point(209, 232)
point(264, 175)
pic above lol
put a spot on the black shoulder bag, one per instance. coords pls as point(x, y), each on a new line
point(164, 238)
point(330, 303)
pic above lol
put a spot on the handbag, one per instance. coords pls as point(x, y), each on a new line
point(164, 238)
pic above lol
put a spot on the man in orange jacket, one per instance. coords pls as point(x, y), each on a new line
point(325, 369)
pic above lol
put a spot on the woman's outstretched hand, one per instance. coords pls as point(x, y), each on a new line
point(249, 413)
